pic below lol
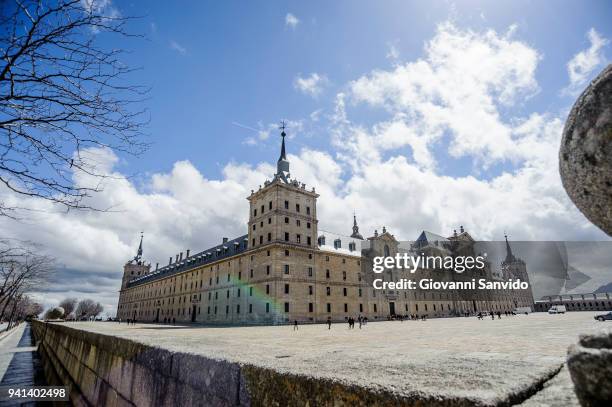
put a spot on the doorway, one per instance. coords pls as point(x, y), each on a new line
point(193, 314)
point(392, 308)
point(157, 316)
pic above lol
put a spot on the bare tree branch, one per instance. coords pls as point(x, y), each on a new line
point(61, 94)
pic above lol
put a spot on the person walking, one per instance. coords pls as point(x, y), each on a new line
point(328, 322)
point(295, 325)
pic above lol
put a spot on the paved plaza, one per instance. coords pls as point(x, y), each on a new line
point(485, 360)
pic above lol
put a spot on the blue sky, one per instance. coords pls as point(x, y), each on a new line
point(236, 63)
point(417, 115)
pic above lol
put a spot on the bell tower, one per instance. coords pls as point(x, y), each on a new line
point(283, 210)
point(135, 267)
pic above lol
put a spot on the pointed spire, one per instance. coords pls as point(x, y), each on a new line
point(509, 256)
point(282, 166)
point(138, 257)
point(283, 156)
point(356, 234)
point(140, 245)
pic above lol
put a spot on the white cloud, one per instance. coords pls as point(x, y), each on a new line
point(393, 53)
point(178, 47)
point(457, 88)
point(311, 85)
point(291, 21)
point(580, 67)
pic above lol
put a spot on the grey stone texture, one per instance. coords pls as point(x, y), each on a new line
point(585, 157)
point(590, 366)
point(441, 362)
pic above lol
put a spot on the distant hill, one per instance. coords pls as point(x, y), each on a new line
point(605, 288)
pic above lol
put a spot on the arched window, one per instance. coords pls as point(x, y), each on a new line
point(387, 251)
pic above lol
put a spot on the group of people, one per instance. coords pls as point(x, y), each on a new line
point(413, 317)
point(480, 315)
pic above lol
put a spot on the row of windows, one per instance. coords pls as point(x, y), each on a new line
point(298, 238)
point(298, 223)
point(297, 208)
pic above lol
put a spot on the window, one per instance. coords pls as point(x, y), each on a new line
point(386, 250)
point(267, 288)
point(360, 307)
point(261, 224)
point(286, 236)
point(286, 220)
point(238, 309)
point(255, 212)
point(240, 275)
point(375, 310)
point(298, 238)
point(268, 253)
point(262, 209)
point(344, 275)
point(352, 246)
point(286, 204)
point(310, 307)
point(228, 277)
point(328, 291)
point(260, 239)
point(298, 223)
point(328, 307)
point(269, 221)
point(308, 210)
point(307, 225)
point(345, 307)
point(360, 292)
point(267, 307)
point(239, 292)
point(344, 291)
point(250, 308)
point(286, 269)
point(251, 273)
point(269, 236)
point(297, 207)
point(327, 273)
point(309, 290)
point(270, 205)
point(227, 294)
point(286, 252)
point(309, 271)
point(343, 261)
point(227, 309)
point(309, 243)
point(321, 240)
point(286, 288)
point(250, 291)
point(286, 307)
point(268, 269)
point(253, 241)
point(254, 226)
point(337, 244)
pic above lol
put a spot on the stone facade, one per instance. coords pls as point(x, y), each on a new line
point(285, 269)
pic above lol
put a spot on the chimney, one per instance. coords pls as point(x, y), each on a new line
point(170, 261)
point(455, 232)
point(225, 240)
point(187, 253)
point(461, 228)
point(156, 266)
point(181, 256)
point(176, 261)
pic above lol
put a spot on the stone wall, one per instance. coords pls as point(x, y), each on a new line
point(104, 370)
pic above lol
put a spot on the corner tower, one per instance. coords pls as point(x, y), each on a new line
point(135, 267)
point(283, 210)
